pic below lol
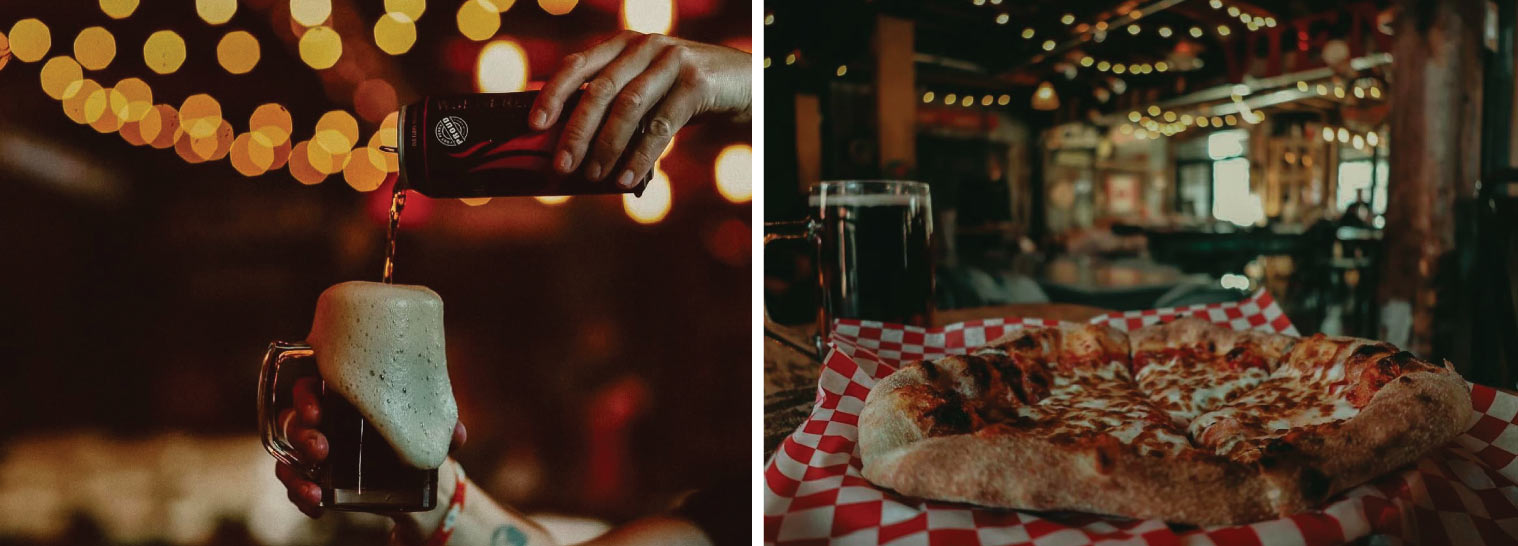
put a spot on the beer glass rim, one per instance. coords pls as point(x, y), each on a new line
point(869, 186)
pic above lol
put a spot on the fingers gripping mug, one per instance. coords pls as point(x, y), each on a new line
point(387, 408)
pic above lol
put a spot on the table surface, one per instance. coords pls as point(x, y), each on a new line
point(791, 367)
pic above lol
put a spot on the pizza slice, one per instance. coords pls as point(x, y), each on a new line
point(1340, 410)
point(1048, 419)
point(1190, 366)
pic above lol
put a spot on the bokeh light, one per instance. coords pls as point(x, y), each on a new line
point(385, 135)
point(143, 131)
point(321, 47)
point(163, 51)
point(57, 74)
point(97, 104)
point(361, 172)
point(131, 99)
point(648, 16)
point(118, 9)
point(501, 68)
point(654, 205)
point(241, 159)
point(558, 7)
point(271, 122)
point(168, 131)
point(395, 33)
point(200, 115)
point(30, 40)
point(182, 147)
point(300, 163)
point(131, 132)
point(478, 20)
point(94, 47)
point(552, 199)
point(216, 11)
point(336, 131)
point(238, 52)
point(412, 8)
point(74, 97)
point(281, 155)
point(734, 173)
point(310, 12)
point(5, 50)
point(500, 6)
point(216, 145)
point(474, 201)
point(373, 99)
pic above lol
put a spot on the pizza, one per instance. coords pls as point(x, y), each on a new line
point(1187, 421)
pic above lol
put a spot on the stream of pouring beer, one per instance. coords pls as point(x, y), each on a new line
point(397, 204)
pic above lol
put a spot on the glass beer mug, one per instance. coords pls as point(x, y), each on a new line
point(874, 251)
point(362, 471)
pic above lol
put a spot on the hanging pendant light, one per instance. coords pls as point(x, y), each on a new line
point(1044, 97)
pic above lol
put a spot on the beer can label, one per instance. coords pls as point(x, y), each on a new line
point(480, 145)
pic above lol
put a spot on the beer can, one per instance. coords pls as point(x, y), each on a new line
point(480, 145)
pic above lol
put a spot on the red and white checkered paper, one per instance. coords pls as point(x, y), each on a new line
point(1462, 493)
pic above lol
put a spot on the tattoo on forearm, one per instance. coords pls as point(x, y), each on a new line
point(508, 535)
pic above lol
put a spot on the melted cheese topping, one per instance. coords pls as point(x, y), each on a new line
point(1272, 409)
point(1186, 387)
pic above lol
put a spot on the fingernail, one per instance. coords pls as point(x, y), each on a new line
point(539, 117)
point(626, 180)
point(563, 161)
point(593, 171)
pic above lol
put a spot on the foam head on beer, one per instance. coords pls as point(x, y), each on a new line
point(381, 347)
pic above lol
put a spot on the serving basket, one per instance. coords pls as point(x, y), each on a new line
point(1463, 493)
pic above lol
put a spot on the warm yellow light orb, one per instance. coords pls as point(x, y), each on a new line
point(94, 47)
point(321, 47)
point(238, 52)
point(163, 51)
point(339, 128)
point(558, 7)
point(394, 33)
point(552, 199)
point(58, 74)
point(97, 104)
point(200, 115)
point(734, 170)
point(271, 122)
point(654, 205)
point(216, 11)
point(360, 173)
point(412, 8)
point(325, 161)
point(30, 40)
point(168, 130)
point(649, 16)
point(501, 68)
point(310, 12)
point(242, 159)
point(131, 99)
point(478, 20)
point(118, 9)
point(75, 96)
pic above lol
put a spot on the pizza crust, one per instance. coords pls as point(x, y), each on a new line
point(933, 430)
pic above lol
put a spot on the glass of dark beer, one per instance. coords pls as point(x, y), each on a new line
point(874, 251)
point(362, 472)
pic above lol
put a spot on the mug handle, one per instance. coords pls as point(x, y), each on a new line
point(279, 353)
point(807, 229)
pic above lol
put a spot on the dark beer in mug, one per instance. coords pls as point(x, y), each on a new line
point(875, 258)
point(362, 472)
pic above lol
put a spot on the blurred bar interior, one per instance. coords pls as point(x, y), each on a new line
point(1354, 159)
point(183, 178)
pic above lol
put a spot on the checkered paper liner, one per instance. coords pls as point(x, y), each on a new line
point(1462, 493)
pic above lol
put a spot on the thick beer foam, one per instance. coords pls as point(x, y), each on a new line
point(381, 347)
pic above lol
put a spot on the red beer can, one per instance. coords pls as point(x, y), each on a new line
point(480, 145)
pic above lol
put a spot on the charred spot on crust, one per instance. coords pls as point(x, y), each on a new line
point(928, 369)
point(1025, 343)
point(949, 416)
point(1103, 461)
point(1424, 398)
point(1313, 484)
point(1405, 379)
point(1370, 350)
point(980, 372)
